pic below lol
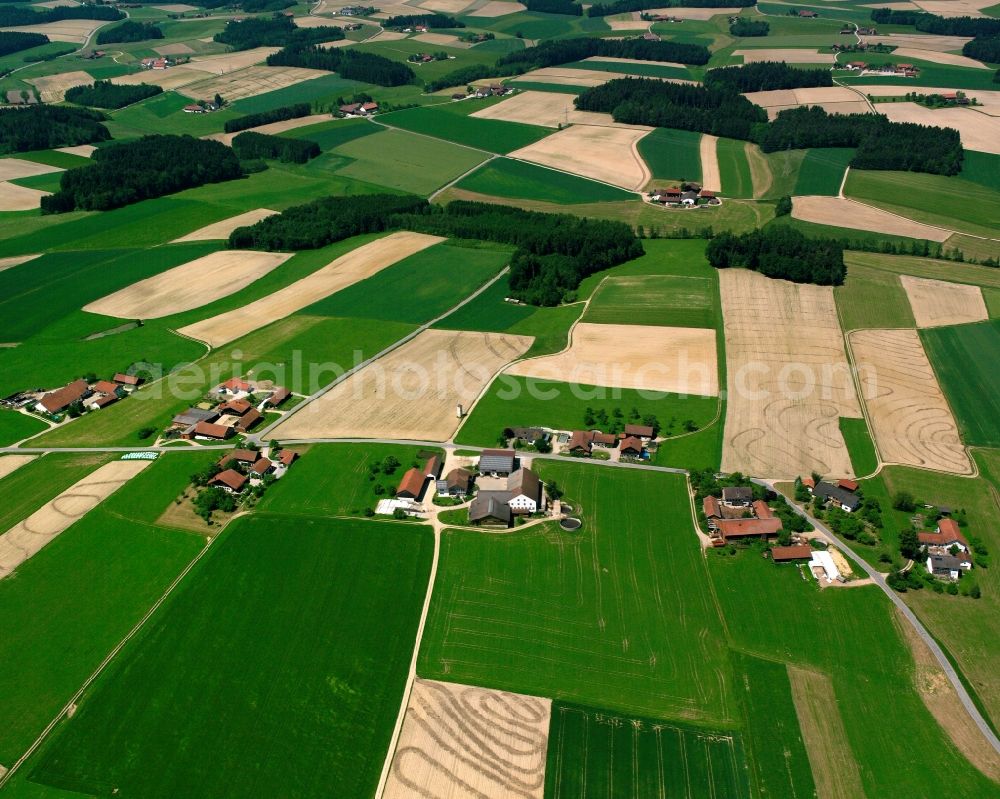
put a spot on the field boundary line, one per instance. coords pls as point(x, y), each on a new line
point(104, 664)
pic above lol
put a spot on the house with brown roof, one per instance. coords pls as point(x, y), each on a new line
point(490, 507)
point(235, 407)
point(229, 480)
point(127, 380)
point(278, 396)
point(287, 457)
point(848, 485)
point(104, 387)
point(946, 536)
point(96, 402)
point(737, 496)
point(582, 442)
point(639, 431)
point(456, 483)
point(525, 492)
point(433, 467)
point(786, 554)
point(247, 456)
point(234, 385)
point(713, 511)
point(761, 509)
point(412, 484)
point(630, 447)
point(210, 430)
point(261, 467)
point(740, 529)
point(248, 420)
point(59, 400)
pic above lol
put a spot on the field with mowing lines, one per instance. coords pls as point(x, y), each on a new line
point(734, 168)
point(17, 426)
point(526, 402)
point(492, 135)
point(597, 754)
point(672, 154)
point(940, 303)
point(34, 484)
point(504, 177)
point(933, 268)
point(871, 298)
point(315, 700)
point(614, 616)
point(822, 170)
point(670, 300)
point(964, 359)
point(859, 444)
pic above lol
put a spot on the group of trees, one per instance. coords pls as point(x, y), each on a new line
point(130, 31)
point(262, 6)
point(251, 145)
point(105, 94)
point(428, 20)
point(766, 76)
point(567, 7)
point(267, 117)
point(615, 422)
point(983, 48)
point(624, 6)
point(149, 167)
point(351, 64)
point(781, 252)
point(15, 41)
point(744, 26)
point(276, 31)
point(719, 111)
point(941, 26)
point(11, 17)
point(42, 127)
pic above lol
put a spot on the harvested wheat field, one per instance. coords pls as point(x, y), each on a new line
point(83, 150)
point(841, 212)
point(680, 360)
point(606, 154)
point(358, 264)
point(497, 8)
point(788, 378)
point(16, 260)
point(445, 6)
point(188, 286)
point(630, 22)
point(221, 230)
point(937, 303)
point(273, 127)
point(176, 48)
point(564, 76)
point(462, 741)
point(687, 13)
point(978, 131)
point(910, 419)
point(67, 30)
point(920, 41)
point(951, 59)
point(443, 39)
point(788, 55)
point(11, 463)
point(833, 99)
point(52, 88)
point(954, 8)
point(547, 109)
point(167, 79)
point(411, 393)
point(230, 62)
point(390, 36)
point(28, 537)
point(19, 198)
point(15, 168)
point(249, 82)
point(711, 178)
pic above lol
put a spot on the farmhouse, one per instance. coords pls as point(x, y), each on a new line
point(287, 457)
point(948, 567)
point(247, 457)
point(412, 484)
point(742, 529)
point(59, 400)
point(278, 396)
point(359, 109)
point(496, 462)
point(236, 407)
point(235, 386)
point(525, 491)
point(229, 480)
point(123, 379)
point(524, 495)
point(490, 507)
point(630, 447)
point(841, 497)
point(261, 467)
point(737, 496)
point(641, 431)
point(946, 536)
point(529, 435)
point(788, 554)
point(457, 483)
point(582, 442)
point(210, 430)
point(98, 401)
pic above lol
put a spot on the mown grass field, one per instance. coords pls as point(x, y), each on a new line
point(333, 134)
point(669, 300)
point(503, 177)
point(734, 168)
point(16, 426)
point(593, 753)
point(672, 154)
point(981, 168)
point(614, 615)
point(964, 358)
point(492, 135)
point(972, 274)
point(525, 402)
point(823, 170)
point(203, 703)
point(871, 298)
point(323, 89)
point(71, 603)
point(859, 445)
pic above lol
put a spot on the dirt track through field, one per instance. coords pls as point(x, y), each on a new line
point(463, 741)
point(221, 230)
point(788, 378)
point(711, 178)
point(680, 360)
point(841, 212)
point(605, 154)
point(910, 419)
point(412, 392)
point(27, 538)
point(937, 303)
point(188, 286)
point(346, 270)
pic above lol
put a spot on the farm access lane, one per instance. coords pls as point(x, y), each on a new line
point(879, 580)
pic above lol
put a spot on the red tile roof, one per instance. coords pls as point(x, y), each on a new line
point(127, 380)
point(848, 485)
point(105, 387)
point(235, 384)
point(640, 430)
point(62, 398)
point(412, 483)
point(947, 533)
point(261, 467)
point(210, 430)
point(230, 478)
point(738, 528)
point(278, 396)
point(631, 443)
point(237, 406)
point(287, 457)
point(761, 510)
point(249, 419)
point(241, 456)
point(104, 401)
point(797, 552)
point(711, 507)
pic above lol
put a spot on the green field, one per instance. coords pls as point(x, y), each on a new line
point(614, 615)
point(964, 358)
point(26, 489)
point(593, 753)
point(323, 89)
point(333, 134)
point(222, 696)
point(503, 177)
point(526, 402)
point(935, 199)
point(493, 135)
point(859, 445)
point(436, 279)
point(734, 168)
point(646, 70)
point(669, 300)
point(871, 298)
point(981, 168)
point(972, 274)
point(16, 426)
point(822, 170)
point(672, 154)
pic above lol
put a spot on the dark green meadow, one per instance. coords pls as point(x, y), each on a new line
point(15, 426)
point(277, 671)
point(822, 170)
point(672, 154)
point(734, 168)
point(504, 177)
point(859, 445)
point(493, 135)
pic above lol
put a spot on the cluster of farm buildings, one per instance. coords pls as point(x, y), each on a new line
point(237, 406)
point(688, 195)
point(85, 395)
point(899, 70)
point(633, 443)
point(240, 468)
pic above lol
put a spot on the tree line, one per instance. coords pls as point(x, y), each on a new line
point(623, 6)
point(266, 117)
point(743, 26)
point(276, 31)
point(351, 64)
point(43, 127)
point(139, 170)
point(766, 76)
point(262, 6)
point(983, 48)
point(567, 7)
point(250, 145)
point(105, 94)
point(941, 26)
point(10, 17)
point(428, 20)
point(130, 31)
point(779, 251)
point(15, 41)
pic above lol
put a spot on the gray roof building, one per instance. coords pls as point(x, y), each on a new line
point(737, 494)
point(496, 461)
point(194, 415)
point(827, 491)
point(490, 506)
point(526, 482)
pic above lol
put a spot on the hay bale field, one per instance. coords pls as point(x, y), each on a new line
point(606, 154)
point(789, 55)
point(273, 127)
point(789, 381)
point(978, 131)
point(680, 360)
point(497, 8)
point(67, 30)
point(29, 536)
point(52, 88)
point(358, 264)
point(937, 303)
point(548, 109)
point(15, 168)
point(16, 260)
point(249, 82)
point(189, 285)
point(221, 230)
point(11, 463)
point(459, 740)
point(841, 212)
point(711, 177)
point(19, 198)
point(411, 393)
point(910, 419)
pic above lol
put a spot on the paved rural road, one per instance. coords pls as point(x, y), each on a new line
point(879, 580)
